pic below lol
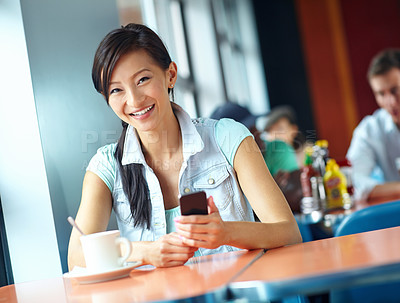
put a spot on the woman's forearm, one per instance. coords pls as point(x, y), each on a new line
point(141, 251)
point(252, 235)
point(168, 250)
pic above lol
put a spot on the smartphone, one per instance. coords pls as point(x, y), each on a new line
point(194, 204)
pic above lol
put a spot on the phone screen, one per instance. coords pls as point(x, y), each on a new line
point(194, 204)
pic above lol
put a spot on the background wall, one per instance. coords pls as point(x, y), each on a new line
point(370, 26)
point(28, 217)
point(74, 119)
point(44, 161)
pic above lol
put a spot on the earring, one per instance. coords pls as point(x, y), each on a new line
point(171, 85)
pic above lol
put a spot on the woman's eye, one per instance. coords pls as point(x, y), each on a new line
point(114, 90)
point(143, 79)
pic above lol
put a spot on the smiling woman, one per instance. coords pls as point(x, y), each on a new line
point(163, 154)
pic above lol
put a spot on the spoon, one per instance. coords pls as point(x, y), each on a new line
point(73, 223)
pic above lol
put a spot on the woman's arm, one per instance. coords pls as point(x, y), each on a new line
point(277, 227)
point(93, 216)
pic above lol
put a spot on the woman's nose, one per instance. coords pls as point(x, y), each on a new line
point(133, 98)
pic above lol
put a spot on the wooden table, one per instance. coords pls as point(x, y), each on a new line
point(204, 275)
point(320, 266)
point(306, 268)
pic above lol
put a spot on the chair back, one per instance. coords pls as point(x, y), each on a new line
point(379, 216)
point(371, 218)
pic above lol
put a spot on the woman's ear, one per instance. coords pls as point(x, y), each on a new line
point(172, 74)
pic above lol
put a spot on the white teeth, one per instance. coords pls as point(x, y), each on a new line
point(142, 112)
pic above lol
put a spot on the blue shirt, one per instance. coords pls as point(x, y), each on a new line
point(375, 146)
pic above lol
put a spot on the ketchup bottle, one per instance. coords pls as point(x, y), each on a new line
point(306, 173)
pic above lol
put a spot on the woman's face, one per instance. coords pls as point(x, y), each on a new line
point(139, 91)
point(283, 130)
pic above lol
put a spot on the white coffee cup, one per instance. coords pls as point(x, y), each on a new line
point(102, 251)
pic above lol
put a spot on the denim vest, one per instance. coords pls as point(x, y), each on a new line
point(204, 168)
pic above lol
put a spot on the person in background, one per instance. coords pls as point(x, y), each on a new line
point(278, 155)
point(281, 124)
point(375, 145)
point(163, 154)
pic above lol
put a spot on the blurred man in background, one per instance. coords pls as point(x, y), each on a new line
point(375, 146)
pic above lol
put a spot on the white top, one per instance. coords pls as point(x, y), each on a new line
point(375, 146)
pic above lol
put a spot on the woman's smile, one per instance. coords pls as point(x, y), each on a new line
point(142, 114)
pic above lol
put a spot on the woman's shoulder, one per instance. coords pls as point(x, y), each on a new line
point(229, 134)
point(107, 151)
point(229, 127)
point(104, 156)
point(222, 127)
point(104, 164)
point(223, 122)
point(229, 124)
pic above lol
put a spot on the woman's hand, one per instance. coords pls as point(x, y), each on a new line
point(207, 231)
point(169, 250)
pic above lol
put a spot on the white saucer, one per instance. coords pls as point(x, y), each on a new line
point(82, 276)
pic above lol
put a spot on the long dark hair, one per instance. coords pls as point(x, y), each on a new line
point(129, 38)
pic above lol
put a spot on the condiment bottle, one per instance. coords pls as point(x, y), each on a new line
point(335, 187)
point(323, 145)
point(307, 172)
point(310, 201)
point(318, 155)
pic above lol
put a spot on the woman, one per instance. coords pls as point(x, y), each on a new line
point(280, 124)
point(163, 154)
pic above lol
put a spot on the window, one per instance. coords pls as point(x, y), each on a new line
point(215, 46)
